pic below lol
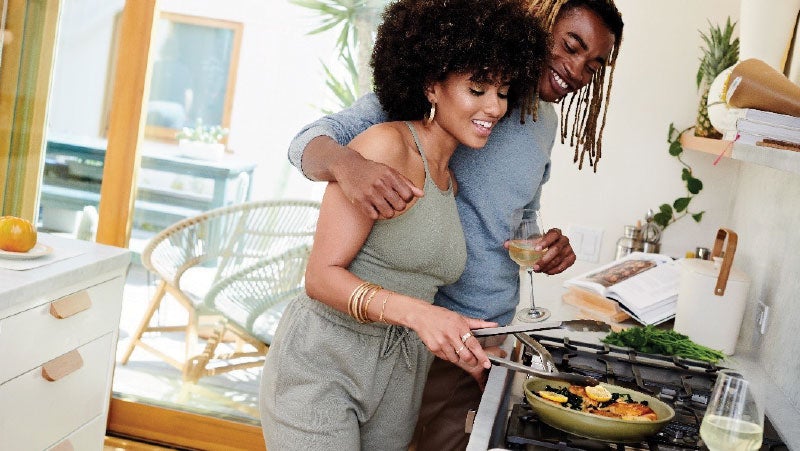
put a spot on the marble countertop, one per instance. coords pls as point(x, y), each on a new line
point(71, 262)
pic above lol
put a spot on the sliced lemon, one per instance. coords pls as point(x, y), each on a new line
point(598, 393)
point(555, 397)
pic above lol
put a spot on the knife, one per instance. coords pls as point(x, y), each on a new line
point(577, 325)
point(572, 378)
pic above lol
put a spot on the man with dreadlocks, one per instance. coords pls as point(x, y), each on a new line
point(507, 174)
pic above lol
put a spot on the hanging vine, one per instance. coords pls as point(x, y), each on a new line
point(668, 214)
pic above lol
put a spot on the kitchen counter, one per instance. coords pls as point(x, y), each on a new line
point(782, 414)
point(89, 262)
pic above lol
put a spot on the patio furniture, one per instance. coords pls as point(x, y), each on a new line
point(194, 254)
point(251, 302)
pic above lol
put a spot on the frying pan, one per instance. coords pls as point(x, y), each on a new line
point(595, 426)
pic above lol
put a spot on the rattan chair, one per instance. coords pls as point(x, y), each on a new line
point(251, 303)
point(194, 254)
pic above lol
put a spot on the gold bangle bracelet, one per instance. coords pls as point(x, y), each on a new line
point(364, 313)
point(353, 296)
point(383, 308)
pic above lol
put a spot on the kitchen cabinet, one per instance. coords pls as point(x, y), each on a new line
point(785, 160)
point(59, 326)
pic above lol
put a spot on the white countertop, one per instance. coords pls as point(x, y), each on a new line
point(84, 260)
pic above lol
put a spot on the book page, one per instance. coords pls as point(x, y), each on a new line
point(600, 279)
point(649, 288)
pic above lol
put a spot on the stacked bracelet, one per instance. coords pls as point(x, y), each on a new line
point(383, 308)
point(360, 299)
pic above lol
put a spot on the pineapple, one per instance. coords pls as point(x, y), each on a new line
point(720, 53)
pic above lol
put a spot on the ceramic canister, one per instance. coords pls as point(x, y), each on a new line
point(710, 309)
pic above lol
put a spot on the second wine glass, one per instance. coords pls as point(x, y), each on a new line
point(526, 233)
point(733, 420)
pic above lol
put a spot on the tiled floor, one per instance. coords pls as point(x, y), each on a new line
point(232, 395)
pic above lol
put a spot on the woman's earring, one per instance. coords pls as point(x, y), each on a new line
point(431, 114)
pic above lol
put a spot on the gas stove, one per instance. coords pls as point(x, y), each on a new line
point(505, 421)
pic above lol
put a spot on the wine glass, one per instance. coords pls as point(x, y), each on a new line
point(526, 233)
point(733, 421)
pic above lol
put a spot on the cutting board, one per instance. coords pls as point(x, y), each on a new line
point(595, 306)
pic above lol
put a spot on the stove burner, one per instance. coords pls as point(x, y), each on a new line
point(684, 384)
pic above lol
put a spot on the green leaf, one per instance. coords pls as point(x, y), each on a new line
point(665, 208)
point(661, 219)
point(694, 185)
point(698, 216)
point(686, 174)
point(675, 148)
point(681, 203)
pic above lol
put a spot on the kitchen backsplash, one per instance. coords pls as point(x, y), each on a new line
point(765, 213)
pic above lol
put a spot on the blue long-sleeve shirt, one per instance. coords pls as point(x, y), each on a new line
point(505, 174)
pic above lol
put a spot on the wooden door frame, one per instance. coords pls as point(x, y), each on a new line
point(25, 78)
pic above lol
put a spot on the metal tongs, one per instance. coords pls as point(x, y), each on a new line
point(545, 359)
point(576, 325)
point(556, 375)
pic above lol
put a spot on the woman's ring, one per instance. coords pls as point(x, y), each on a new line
point(458, 351)
point(465, 337)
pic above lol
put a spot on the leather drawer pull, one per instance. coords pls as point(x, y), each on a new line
point(70, 305)
point(66, 445)
point(62, 366)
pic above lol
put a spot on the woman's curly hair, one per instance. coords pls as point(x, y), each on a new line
point(424, 41)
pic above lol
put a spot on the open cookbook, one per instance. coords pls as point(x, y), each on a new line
point(645, 285)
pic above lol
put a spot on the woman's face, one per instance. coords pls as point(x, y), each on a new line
point(468, 110)
point(582, 44)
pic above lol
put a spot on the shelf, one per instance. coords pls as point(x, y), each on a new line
point(708, 145)
point(782, 159)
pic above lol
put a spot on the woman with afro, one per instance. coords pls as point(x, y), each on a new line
point(350, 357)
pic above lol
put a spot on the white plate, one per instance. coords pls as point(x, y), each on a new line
point(39, 250)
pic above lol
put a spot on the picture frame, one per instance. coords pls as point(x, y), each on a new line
point(195, 60)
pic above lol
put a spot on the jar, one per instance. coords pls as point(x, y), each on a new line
point(631, 241)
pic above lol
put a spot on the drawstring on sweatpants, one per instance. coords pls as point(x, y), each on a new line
point(396, 335)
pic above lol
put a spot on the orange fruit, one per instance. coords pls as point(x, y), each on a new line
point(16, 234)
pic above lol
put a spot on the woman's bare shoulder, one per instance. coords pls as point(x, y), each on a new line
point(386, 143)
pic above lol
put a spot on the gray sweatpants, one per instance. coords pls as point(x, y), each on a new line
point(332, 383)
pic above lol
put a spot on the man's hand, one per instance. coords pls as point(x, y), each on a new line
point(378, 190)
point(559, 255)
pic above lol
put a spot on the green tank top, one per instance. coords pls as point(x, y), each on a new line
point(420, 250)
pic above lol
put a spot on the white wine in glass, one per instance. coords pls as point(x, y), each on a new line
point(526, 232)
point(733, 421)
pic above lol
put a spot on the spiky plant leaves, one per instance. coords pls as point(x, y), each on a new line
point(720, 52)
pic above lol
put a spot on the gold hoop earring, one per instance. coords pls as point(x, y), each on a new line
point(431, 114)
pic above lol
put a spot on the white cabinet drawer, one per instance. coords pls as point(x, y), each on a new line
point(87, 438)
point(35, 336)
point(39, 413)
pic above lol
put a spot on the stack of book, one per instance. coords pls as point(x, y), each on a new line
point(765, 128)
point(645, 285)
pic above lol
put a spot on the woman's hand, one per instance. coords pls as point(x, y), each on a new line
point(378, 190)
point(478, 372)
point(448, 336)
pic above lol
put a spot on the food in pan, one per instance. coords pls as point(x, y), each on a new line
point(599, 401)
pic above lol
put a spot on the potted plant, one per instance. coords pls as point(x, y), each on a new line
point(203, 142)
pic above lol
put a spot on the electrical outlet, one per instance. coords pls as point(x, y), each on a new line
point(585, 241)
point(762, 315)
